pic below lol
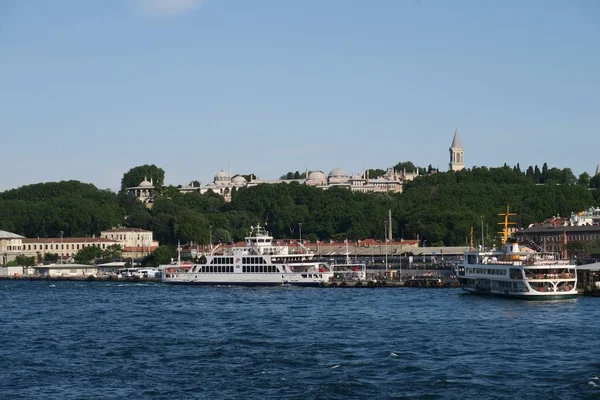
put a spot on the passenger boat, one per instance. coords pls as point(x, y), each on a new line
point(517, 273)
point(259, 262)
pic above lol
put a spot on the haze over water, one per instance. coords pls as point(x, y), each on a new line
point(68, 340)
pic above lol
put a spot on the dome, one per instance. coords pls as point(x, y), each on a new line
point(221, 176)
point(338, 173)
point(317, 176)
point(145, 183)
point(240, 180)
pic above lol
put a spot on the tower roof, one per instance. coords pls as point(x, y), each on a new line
point(456, 141)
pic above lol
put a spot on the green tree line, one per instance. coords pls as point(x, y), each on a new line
point(438, 207)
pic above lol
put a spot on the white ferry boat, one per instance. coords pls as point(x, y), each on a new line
point(511, 272)
point(258, 263)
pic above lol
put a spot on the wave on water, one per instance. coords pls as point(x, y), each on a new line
point(155, 341)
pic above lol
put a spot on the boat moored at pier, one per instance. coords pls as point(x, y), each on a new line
point(517, 273)
point(259, 262)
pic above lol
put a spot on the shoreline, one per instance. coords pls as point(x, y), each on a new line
point(412, 283)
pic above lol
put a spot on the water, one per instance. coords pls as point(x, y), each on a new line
point(101, 340)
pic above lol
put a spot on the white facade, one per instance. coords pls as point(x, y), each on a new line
point(66, 247)
point(134, 241)
point(66, 270)
point(589, 217)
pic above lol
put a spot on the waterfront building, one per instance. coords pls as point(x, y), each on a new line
point(457, 154)
point(66, 247)
point(555, 235)
point(65, 270)
point(11, 246)
point(590, 216)
point(135, 242)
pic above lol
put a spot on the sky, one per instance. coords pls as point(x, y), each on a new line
point(90, 89)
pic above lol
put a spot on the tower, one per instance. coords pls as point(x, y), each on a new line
point(598, 169)
point(457, 154)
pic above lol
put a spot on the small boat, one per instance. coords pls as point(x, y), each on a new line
point(517, 273)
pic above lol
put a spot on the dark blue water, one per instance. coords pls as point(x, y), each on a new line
point(94, 340)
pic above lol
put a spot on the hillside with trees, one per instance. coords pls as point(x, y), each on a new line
point(46, 209)
point(437, 207)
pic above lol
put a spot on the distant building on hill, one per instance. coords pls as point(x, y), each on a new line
point(144, 191)
point(457, 154)
point(391, 182)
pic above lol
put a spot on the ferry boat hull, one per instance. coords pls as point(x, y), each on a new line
point(236, 280)
point(521, 296)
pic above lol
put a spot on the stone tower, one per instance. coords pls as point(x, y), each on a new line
point(457, 154)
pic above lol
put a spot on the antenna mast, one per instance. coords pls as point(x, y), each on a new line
point(505, 233)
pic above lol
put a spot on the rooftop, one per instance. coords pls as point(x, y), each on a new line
point(9, 235)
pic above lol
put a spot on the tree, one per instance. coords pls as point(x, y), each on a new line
point(22, 261)
point(195, 183)
point(537, 175)
point(375, 173)
point(112, 252)
point(410, 167)
point(544, 173)
point(584, 179)
point(88, 254)
point(161, 256)
point(290, 175)
point(595, 182)
point(135, 175)
point(50, 257)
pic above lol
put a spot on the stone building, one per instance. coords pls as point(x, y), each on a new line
point(65, 247)
point(457, 154)
point(135, 242)
point(11, 245)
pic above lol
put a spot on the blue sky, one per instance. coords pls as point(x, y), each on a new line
point(90, 89)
